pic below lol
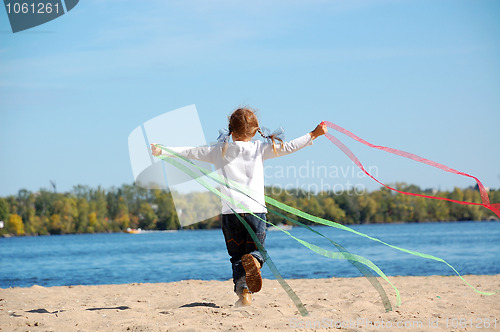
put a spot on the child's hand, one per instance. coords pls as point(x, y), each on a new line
point(155, 150)
point(320, 129)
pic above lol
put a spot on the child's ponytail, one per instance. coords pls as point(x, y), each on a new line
point(273, 137)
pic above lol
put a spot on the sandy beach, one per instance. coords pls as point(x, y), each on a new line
point(433, 303)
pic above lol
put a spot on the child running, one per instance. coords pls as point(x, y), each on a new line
point(241, 161)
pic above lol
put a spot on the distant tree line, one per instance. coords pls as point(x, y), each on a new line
point(92, 210)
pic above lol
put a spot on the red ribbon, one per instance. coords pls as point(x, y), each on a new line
point(495, 208)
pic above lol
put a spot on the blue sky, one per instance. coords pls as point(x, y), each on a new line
point(420, 76)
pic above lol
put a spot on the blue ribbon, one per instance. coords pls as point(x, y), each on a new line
point(278, 134)
point(224, 135)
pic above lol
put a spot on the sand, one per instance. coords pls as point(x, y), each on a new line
point(433, 303)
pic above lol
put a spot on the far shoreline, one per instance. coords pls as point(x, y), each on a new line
point(218, 228)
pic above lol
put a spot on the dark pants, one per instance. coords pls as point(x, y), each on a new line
point(239, 242)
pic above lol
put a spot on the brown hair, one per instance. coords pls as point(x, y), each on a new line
point(243, 124)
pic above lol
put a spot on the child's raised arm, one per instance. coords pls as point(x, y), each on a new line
point(320, 129)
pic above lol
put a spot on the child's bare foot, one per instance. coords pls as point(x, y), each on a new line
point(245, 299)
point(252, 272)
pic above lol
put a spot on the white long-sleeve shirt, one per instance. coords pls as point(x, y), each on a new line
point(243, 163)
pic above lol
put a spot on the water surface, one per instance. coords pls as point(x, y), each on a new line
point(93, 259)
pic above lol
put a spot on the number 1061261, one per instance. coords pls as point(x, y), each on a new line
point(478, 323)
point(32, 8)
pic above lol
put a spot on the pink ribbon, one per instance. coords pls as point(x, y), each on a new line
point(495, 208)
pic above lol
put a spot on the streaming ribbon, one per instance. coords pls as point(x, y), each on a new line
point(358, 261)
point(495, 208)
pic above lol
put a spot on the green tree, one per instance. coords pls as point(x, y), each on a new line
point(167, 215)
point(4, 209)
point(311, 206)
point(348, 201)
point(147, 216)
point(367, 208)
point(457, 211)
point(122, 218)
point(98, 206)
point(39, 225)
point(420, 212)
point(82, 218)
point(439, 210)
point(65, 208)
point(55, 224)
point(93, 223)
point(44, 201)
point(26, 209)
point(474, 212)
point(332, 211)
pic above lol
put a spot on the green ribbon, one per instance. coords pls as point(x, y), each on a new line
point(300, 306)
point(358, 261)
point(295, 299)
point(354, 259)
point(322, 221)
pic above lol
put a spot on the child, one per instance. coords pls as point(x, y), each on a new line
point(242, 162)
